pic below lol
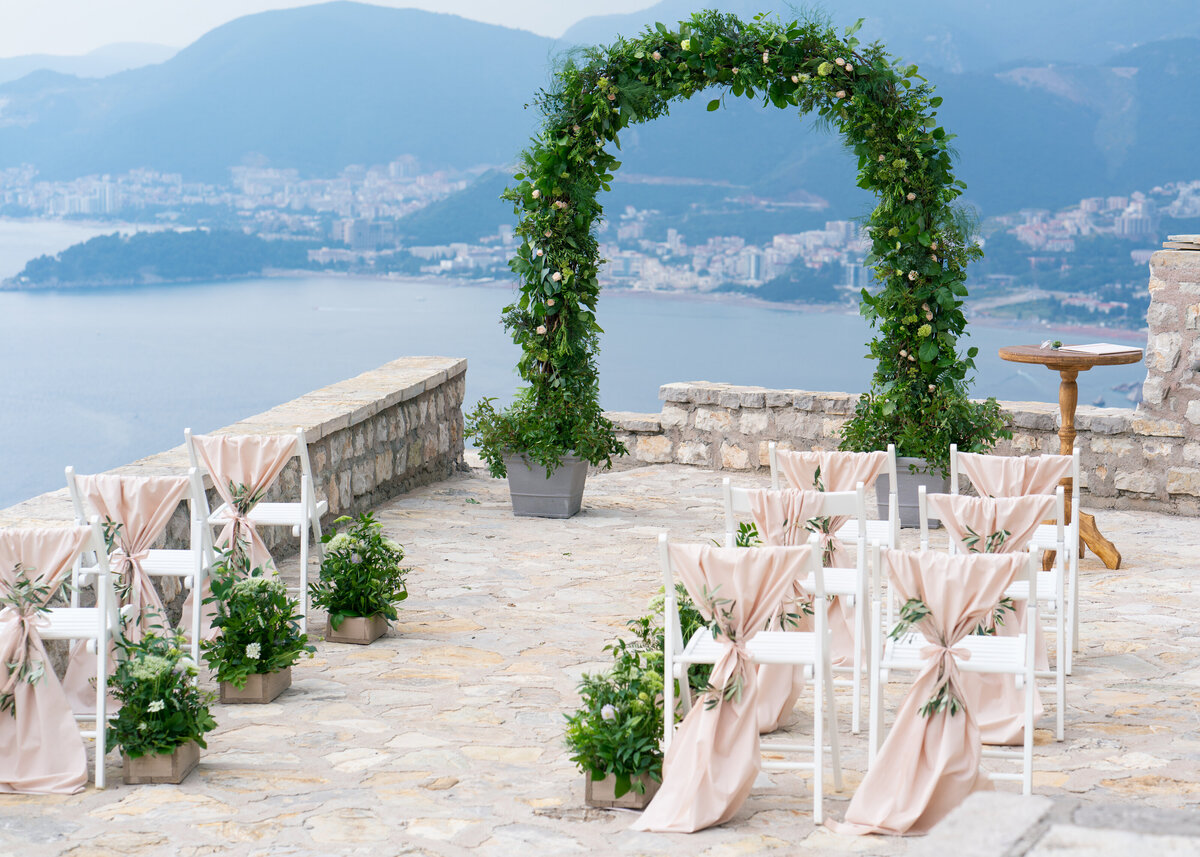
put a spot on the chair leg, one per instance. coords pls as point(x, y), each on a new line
point(101, 704)
point(669, 700)
point(1062, 647)
point(1073, 600)
point(821, 689)
point(835, 754)
point(303, 597)
point(859, 624)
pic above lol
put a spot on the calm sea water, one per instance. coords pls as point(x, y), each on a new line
point(97, 378)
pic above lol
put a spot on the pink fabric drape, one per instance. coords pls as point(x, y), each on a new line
point(996, 701)
point(840, 471)
point(781, 518)
point(41, 750)
point(253, 461)
point(929, 764)
point(1014, 476)
point(715, 757)
point(142, 506)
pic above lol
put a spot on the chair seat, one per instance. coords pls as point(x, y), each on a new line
point(1045, 537)
point(838, 581)
point(988, 654)
point(272, 514)
point(878, 532)
point(170, 563)
point(765, 647)
point(1046, 588)
point(71, 623)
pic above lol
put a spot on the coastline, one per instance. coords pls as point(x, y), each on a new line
point(737, 299)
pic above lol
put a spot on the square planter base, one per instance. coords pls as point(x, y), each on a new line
point(600, 793)
point(359, 630)
point(162, 768)
point(536, 496)
point(259, 688)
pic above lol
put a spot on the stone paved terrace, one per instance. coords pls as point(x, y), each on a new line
point(445, 737)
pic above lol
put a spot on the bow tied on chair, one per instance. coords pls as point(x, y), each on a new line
point(41, 750)
point(944, 661)
point(20, 622)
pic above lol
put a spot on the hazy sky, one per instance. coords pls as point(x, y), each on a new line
point(78, 26)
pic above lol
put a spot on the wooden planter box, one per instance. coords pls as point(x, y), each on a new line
point(162, 768)
point(259, 688)
point(600, 793)
point(359, 630)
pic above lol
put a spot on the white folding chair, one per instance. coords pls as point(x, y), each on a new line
point(849, 583)
point(988, 654)
point(885, 533)
point(189, 566)
point(1046, 537)
point(1049, 593)
point(300, 515)
point(97, 625)
point(798, 648)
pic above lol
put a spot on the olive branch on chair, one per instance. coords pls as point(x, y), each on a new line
point(721, 610)
point(992, 544)
point(943, 699)
point(25, 596)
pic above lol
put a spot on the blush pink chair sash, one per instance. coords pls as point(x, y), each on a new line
point(1014, 476)
point(41, 750)
point(840, 471)
point(142, 506)
point(714, 758)
point(985, 515)
point(996, 701)
point(781, 518)
point(834, 554)
point(928, 765)
point(254, 461)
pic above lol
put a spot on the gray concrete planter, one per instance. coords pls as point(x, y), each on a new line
point(259, 688)
point(535, 496)
point(170, 768)
point(602, 793)
point(907, 484)
point(359, 630)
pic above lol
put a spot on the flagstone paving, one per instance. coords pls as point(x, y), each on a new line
point(445, 737)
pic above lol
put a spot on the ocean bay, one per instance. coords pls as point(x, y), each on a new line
point(100, 377)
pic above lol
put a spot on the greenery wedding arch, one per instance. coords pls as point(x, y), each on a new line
point(920, 243)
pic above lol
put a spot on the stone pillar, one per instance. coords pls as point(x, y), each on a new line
point(1172, 388)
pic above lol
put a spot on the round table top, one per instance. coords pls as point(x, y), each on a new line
point(1056, 358)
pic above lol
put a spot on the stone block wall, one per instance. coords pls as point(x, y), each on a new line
point(369, 438)
point(1172, 388)
point(1128, 459)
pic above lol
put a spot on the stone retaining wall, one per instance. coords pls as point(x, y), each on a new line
point(369, 438)
point(1129, 460)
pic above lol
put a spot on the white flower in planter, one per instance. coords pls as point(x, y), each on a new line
point(253, 651)
point(608, 712)
point(156, 705)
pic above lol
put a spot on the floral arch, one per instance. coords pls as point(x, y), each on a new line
point(920, 243)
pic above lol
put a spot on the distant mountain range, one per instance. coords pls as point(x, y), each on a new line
point(321, 87)
point(101, 62)
point(953, 35)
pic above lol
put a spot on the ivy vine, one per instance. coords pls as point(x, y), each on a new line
point(920, 240)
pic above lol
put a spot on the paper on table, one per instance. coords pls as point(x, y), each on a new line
point(1098, 348)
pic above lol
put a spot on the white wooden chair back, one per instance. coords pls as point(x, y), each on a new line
point(850, 504)
point(301, 515)
point(927, 515)
point(98, 626)
point(799, 648)
point(1014, 656)
point(189, 566)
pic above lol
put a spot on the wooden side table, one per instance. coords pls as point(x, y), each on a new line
point(1069, 364)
